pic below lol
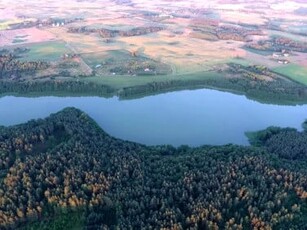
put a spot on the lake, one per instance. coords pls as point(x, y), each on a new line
point(192, 117)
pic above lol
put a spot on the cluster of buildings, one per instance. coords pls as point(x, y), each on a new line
point(280, 57)
point(58, 24)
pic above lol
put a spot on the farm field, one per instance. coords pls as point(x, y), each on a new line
point(49, 51)
point(295, 72)
point(120, 82)
point(128, 43)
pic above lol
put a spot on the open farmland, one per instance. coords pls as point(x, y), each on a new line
point(105, 41)
point(49, 51)
point(295, 72)
point(29, 35)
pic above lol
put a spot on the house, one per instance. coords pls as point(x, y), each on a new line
point(276, 55)
point(283, 62)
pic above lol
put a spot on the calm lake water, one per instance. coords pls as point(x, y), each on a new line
point(187, 117)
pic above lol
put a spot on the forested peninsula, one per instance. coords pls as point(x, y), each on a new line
point(65, 172)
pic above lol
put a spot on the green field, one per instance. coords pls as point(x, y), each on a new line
point(4, 25)
point(19, 40)
point(47, 51)
point(120, 82)
point(112, 56)
point(260, 52)
point(121, 27)
point(294, 72)
point(116, 56)
point(240, 61)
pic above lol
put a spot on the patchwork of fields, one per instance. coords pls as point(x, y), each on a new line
point(106, 41)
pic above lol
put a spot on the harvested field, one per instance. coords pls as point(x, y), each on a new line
point(31, 35)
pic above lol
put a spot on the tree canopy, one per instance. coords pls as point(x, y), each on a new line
point(66, 164)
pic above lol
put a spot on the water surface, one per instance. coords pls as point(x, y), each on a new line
point(194, 117)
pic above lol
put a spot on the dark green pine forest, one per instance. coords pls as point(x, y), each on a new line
point(64, 172)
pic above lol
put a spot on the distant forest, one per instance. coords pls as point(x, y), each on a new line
point(64, 172)
point(279, 91)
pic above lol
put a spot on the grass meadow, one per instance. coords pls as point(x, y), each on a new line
point(294, 72)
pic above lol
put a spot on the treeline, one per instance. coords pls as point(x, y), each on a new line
point(235, 33)
point(277, 44)
point(107, 33)
point(287, 43)
point(255, 72)
point(56, 87)
point(115, 184)
point(278, 91)
point(11, 67)
point(214, 32)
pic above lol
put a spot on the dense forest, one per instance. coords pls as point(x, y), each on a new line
point(287, 143)
point(64, 170)
point(57, 87)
